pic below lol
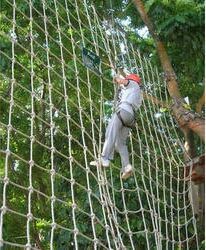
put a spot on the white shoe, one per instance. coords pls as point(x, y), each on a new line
point(127, 171)
point(104, 163)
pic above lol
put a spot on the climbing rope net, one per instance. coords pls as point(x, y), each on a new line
point(53, 116)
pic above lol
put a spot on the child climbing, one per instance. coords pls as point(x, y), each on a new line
point(129, 99)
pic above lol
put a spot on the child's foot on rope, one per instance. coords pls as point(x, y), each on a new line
point(104, 163)
point(127, 172)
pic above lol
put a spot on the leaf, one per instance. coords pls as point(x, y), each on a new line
point(42, 223)
point(186, 106)
point(163, 110)
point(180, 19)
point(149, 4)
point(70, 31)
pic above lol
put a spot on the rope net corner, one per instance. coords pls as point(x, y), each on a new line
point(53, 116)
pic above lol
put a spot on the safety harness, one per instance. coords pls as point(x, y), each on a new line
point(120, 117)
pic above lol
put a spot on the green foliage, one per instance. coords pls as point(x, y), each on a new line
point(180, 25)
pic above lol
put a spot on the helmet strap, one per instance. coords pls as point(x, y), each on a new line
point(127, 83)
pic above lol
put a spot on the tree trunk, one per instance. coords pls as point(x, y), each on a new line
point(200, 103)
point(185, 118)
point(188, 119)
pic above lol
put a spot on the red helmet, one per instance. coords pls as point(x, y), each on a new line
point(133, 77)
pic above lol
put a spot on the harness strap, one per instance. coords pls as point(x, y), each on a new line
point(132, 106)
point(120, 117)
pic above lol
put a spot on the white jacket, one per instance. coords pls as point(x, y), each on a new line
point(129, 97)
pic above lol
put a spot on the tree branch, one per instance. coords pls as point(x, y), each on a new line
point(155, 101)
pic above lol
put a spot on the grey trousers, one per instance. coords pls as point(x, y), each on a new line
point(116, 137)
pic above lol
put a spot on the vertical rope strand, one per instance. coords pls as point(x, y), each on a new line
point(9, 126)
point(31, 161)
point(52, 148)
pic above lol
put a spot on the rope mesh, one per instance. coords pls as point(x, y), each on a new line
point(53, 117)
